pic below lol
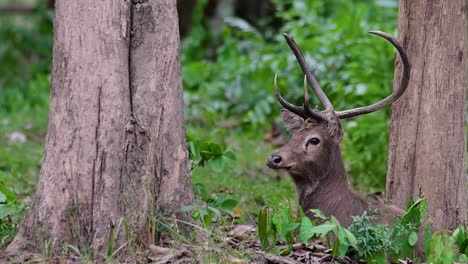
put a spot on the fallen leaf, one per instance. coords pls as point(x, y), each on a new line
point(237, 212)
point(234, 260)
point(241, 230)
point(160, 255)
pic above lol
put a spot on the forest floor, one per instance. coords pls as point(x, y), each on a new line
point(231, 238)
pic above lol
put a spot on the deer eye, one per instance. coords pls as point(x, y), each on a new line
point(313, 141)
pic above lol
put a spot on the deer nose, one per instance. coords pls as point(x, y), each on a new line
point(274, 161)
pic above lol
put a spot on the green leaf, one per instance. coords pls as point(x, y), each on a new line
point(263, 226)
point(10, 196)
point(214, 210)
point(196, 215)
point(413, 238)
point(323, 229)
point(378, 258)
point(195, 73)
point(200, 190)
point(319, 214)
point(207, 220)
point(345, 235)
point(415, 213)
point(216, 149)
point(460, 236)
point(217, 163)
point(306, 230)
point(339, 248)
point(427, 238)
point(292, 226)
point(229, 204)
point(3, 198)
point(230, 155)
point(194, 150)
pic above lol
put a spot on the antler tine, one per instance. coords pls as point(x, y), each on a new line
point(309, 112)
point(293, 108)
point(395, 95)
point(310, 76)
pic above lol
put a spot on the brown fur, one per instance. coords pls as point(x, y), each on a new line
point(319, 174)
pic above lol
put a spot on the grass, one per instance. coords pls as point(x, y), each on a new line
point(250, 181)
point(20, 162)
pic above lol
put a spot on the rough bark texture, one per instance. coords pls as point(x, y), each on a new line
point(115, 146)
point(427, 135)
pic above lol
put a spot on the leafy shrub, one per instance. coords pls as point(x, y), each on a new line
point(439, 246)
point(363, 240)
point(10, 212)
point(231, 79)
point(209, 208)
point(25, 53)
point(202, 152)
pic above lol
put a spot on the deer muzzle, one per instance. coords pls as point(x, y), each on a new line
point(274, 161)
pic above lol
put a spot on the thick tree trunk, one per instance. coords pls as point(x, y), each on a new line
point(427, 135)
point(115, 145)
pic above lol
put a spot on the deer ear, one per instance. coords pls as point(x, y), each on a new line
point(292, 121)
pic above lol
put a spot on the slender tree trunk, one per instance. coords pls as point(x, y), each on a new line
point(115, 146)
point(185, 10)
point(428, 133)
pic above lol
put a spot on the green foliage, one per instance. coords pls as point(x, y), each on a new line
point(227, 76)
point(202, 152)
point(405, 229)
point(363, 240)
point(274, 223)
point(232, 81)
point(10, 211)
point(209, 208)
point(439, 247)
point(372, 240)
point(25, 53)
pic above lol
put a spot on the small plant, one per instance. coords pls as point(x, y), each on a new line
point(10, 214)
point(362, 240)
point(209, 208)
point(329, 229)
point(372, 240)
point(439, 247)
point(274, 223)
point(202, 152)
point(85, 255)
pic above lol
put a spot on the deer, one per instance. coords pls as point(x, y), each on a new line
point(313, 157)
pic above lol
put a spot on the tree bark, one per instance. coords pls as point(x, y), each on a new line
point(427, 133)
point(115, 146)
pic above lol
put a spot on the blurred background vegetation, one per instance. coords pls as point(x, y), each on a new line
point(230, 52)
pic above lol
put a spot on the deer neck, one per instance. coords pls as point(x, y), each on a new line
point(326, 188)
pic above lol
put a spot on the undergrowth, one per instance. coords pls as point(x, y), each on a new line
point(227, 76)
point(364, 240)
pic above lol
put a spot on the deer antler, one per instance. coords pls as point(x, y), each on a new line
point(396, 94)
point(355, 111)
point(310, 76)
point(305, 111)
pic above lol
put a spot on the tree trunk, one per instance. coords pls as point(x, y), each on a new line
point(427, 134)
point(115, 146)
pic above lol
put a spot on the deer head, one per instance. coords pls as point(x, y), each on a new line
point(312, 156)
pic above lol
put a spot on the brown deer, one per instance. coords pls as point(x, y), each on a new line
point(313, 158)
